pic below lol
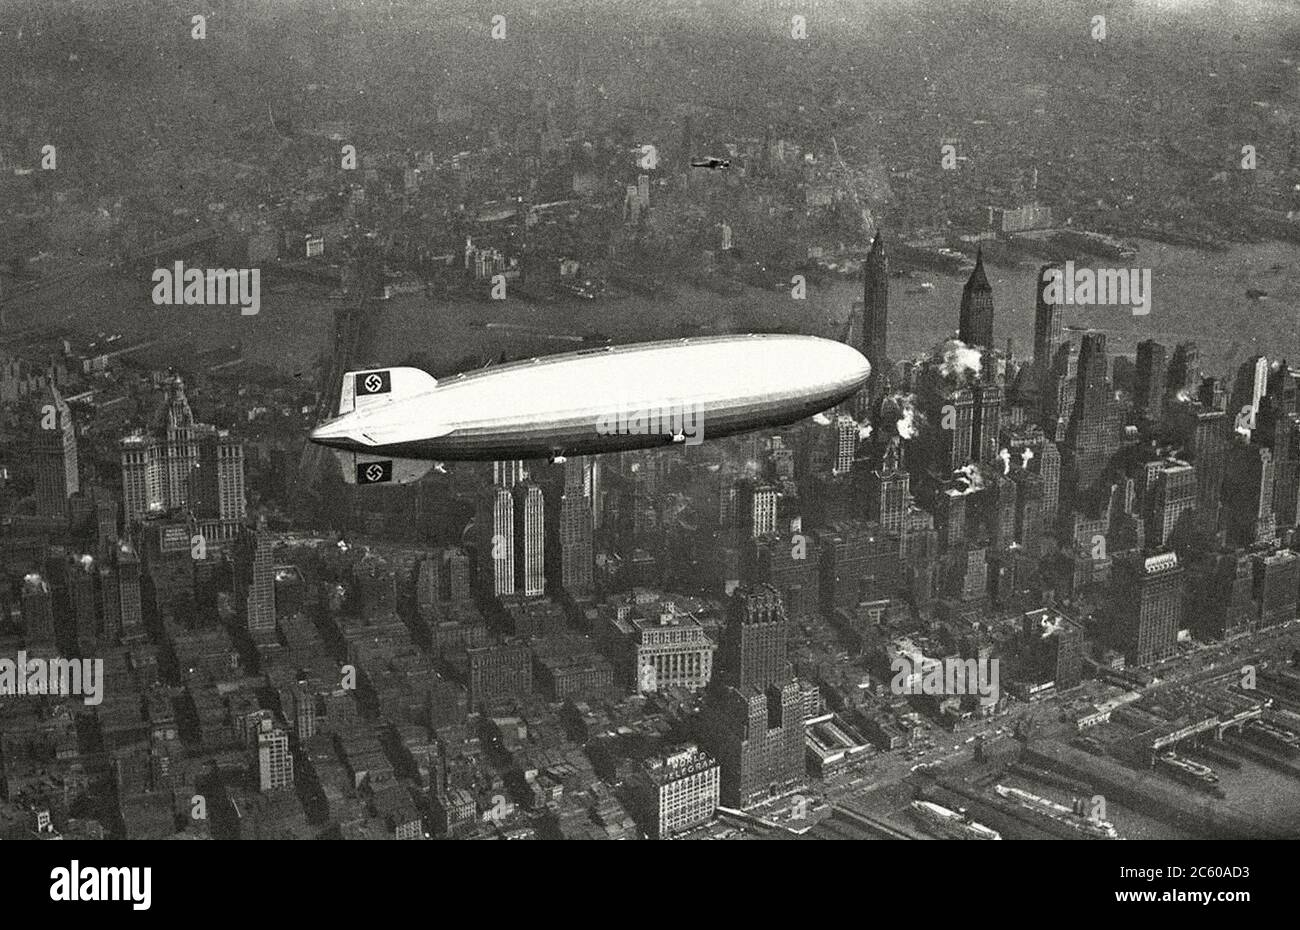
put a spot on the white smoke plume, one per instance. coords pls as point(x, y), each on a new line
point(910, 419)
point(1005, 456)
point(864, 431)
point(968, 478)
point(821, 419)
point(1049, 626)
point(1184, 395)
point(1025, 455)
point(87, 562)
point(1245, 421)
point(960, 361)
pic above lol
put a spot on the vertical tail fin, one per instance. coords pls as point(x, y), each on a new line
point(363, 390)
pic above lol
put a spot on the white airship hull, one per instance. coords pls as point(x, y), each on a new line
point(600, 400)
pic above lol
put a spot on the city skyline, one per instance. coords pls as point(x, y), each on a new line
point(711, 422)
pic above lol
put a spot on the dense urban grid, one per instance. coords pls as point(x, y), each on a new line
point(1025, 585)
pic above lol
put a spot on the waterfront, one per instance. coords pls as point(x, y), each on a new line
point(1197, 295)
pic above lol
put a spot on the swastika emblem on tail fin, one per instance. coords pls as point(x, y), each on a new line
point(373, 382)
point(374, 472)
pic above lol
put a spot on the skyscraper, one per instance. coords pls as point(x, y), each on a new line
point(496, 544)
point(791, 564)
point(1149, 385)
point(1092, 436)
point(888, 491)
point(507, 474)
point(80, 575)
point(1204, 433)
point(165, 465)
point(530, 539)
point(1277, 578)
point(274, 761)
point(130, 599)
point(442, 580)
point(1174, 495)
point(1277, 426)
point(1149, 607)
point(975, 325)
point(1249, 387)
point(875, 315)
point(1048, 326)
point(55, 457)
point(846, 444)
point(38, 613)
point(254, 574)
point(1184, 370)
point(217, 481)
point(987, 427)
point(758, 508)
point(752, 718)
point(1248, 497)
point(753, 648)
point(570, 524)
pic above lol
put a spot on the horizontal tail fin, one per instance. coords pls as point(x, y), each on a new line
point(363, 390)
point(358, 468)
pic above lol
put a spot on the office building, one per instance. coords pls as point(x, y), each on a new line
point(1148, 607)
point(254, 581)
point(1276, 587)
point(54, 457)
point(1092, 436)
point(752, 718)
point(875, 316)
point(274, 761)
point(675, 792)
point(975, 326)
point(175, 459)
point(1173, 495)
point(1149, 382)
point(1049, 322)
point(530, 540)
point(496, 543)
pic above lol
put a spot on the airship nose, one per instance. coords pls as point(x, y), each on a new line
point(850, 365)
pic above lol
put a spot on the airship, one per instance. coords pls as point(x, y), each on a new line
point(394, 424)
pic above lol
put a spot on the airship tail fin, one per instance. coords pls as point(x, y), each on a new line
point(359, 468)
point(363, 390)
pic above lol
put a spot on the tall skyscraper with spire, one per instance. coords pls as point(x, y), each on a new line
point(888, 490)
point(975, 326)
point(875, 315)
